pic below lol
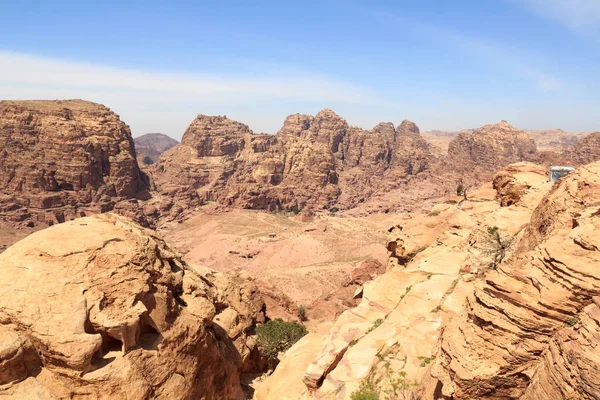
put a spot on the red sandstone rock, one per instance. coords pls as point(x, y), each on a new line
point(64, 159)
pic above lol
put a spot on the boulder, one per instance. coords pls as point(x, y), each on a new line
point(102, 308)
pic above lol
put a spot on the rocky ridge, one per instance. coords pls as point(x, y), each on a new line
point(448, 326)
point(320, 162)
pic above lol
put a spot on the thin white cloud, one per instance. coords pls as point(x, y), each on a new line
point(167, 102)
point(582, 16)
point(511, 59)
point(51, 75)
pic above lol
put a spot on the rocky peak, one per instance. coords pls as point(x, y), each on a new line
point(295, 124)
point(407, 128)
point(150, 146)
point(214, 136)
point(489, 148)
point(384, 128)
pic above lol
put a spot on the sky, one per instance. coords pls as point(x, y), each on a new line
point(443, 64)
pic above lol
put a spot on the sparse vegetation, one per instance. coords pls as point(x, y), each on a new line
point(495, 245)
point(277, 335)
point(147, 160)
point(376, 324)
point(396, 387)
point(302, 313)
point(434, 213)
point(333, 210)
point(408, 288)
point(425, 361)
point(459, 190)
point(571, 322)
point(400, 388)
point(366, 391)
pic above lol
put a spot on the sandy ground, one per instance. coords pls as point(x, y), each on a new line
point(305, 258)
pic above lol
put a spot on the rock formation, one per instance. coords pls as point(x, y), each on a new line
point(585, 151)
point(101, 308)
point(313, 162)
point(64, 159)
point(150, 146)
point(538, 309)
point(484, 151)
point(553, 140)
point(443, 324)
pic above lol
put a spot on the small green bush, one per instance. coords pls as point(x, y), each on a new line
point(277, 335)
point(147, 160)
point(302, 313)
point(459, 190)
point(334, 209)
point(366, 391)
point(571, 322)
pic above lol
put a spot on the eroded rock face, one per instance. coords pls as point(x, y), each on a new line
point(313, 162)
point(516, 180)
point(150, 146)
point(101, 308)
point(516, 339)
point(485, 150)
point(584, 151)
point(64, 159)
point(443, 318)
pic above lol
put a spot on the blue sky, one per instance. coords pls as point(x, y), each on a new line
point(443, 64)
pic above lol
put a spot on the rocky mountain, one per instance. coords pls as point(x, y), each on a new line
point(150, 146)
point(312, 162)
point(495, 297)
point(65, 159)
point(490, 148)
point(586, 150)
point(556, 140)
point(102, 308)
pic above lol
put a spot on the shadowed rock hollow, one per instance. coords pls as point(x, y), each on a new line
point(101, 308)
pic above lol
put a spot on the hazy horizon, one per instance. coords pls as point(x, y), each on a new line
point(443, 65)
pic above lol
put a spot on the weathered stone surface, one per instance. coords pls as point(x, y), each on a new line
point(517, 180)
point(435, 263)
point(313, 162)
point(63, 159)
point(485, 150)
point(150, 146)
point(585, 151)
point(514, 324)
point(101, 308)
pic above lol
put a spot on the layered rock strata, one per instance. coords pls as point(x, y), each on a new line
point(64, 159)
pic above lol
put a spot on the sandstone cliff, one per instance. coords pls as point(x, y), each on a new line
point(533, 307)
point(586, 150)
point(65, 159)
point(313, 162)
point(101, 308)
point(485, 150)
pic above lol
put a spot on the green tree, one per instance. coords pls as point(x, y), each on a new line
point(277, 335)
